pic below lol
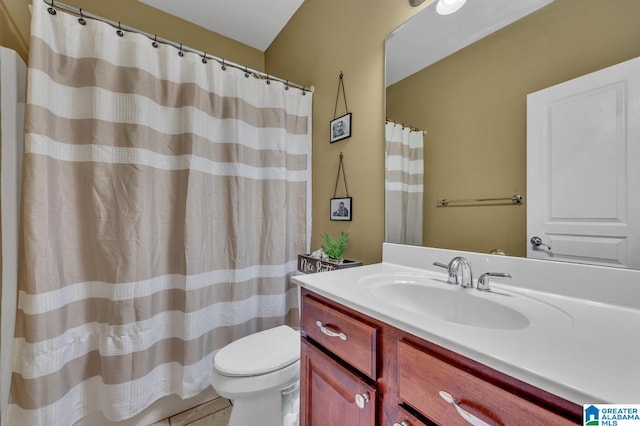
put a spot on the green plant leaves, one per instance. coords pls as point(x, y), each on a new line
point(335, 248)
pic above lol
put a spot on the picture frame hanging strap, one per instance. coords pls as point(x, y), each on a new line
point(344, 94)
point(344, 176)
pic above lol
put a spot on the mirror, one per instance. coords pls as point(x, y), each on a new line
point(471, 101)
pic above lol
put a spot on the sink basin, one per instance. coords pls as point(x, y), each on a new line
point(431, 296)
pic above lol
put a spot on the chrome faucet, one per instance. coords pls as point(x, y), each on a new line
point(459, 270)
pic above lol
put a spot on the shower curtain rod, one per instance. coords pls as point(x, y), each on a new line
point(413, 129)
point(154, 37)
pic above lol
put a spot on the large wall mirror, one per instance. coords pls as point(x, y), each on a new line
point(467, 88)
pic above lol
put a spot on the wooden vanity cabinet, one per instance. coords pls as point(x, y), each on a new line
point(397, 378)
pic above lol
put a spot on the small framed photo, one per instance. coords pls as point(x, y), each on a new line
point(340, 128)
point(341, 209)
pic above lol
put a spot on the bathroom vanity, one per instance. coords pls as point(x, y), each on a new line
point(370, 356)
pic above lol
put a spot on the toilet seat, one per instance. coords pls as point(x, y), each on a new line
point(259, 353)
point(233, 387)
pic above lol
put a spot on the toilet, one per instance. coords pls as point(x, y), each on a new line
point(260, 374)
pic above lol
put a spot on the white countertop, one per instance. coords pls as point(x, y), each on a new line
point(591, 358)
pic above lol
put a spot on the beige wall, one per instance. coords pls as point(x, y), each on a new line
point(137, 15)
point(14, 26)
point(323, 38)
point(473, 105)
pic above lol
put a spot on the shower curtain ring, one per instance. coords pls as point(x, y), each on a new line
point(224, 67)
point(155, 41)
point(81, 19)
point(246, 72)
point(268, 79)
point(120, 32)
point(51, 9)
point(286, 86)
point(181, 53)
point(204, 57)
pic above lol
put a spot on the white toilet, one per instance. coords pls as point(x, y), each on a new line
point(260, 374)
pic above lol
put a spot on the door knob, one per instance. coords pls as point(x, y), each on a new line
point(537, 242)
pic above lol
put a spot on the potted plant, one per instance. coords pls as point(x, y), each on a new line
point(328, 257)
point(335, 248)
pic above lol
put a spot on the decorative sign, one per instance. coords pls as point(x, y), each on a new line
point(311, 265)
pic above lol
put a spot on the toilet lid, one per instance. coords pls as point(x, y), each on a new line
point(259, 353)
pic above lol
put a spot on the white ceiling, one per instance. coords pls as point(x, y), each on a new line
point(428, 37)
point(255, 23)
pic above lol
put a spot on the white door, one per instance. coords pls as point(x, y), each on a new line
point(583, 169)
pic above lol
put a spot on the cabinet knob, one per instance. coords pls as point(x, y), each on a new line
point(402, 423)
point(361, 400)
point(329, 332)
point(470, 418)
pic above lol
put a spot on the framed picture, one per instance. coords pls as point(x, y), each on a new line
point(340, 128)
point(341, 209)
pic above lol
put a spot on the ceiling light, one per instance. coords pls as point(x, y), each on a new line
point(447, 7)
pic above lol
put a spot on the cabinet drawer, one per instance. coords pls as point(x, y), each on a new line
point(345, 336)
point(422, 376)
point(405, 418)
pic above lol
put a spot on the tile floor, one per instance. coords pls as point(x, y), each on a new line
point(213, 413)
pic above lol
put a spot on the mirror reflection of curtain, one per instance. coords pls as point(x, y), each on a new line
point(165, 201)
point(404, 185)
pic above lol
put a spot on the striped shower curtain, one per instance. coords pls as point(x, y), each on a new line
point(404, 186)
point(165, 201)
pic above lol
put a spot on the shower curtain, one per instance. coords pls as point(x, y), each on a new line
point(404, 185)
point(165, 201)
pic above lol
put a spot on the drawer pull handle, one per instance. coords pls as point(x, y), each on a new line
point(401, 424)
point(329, 332)
point(470, 418)
point(361, 400)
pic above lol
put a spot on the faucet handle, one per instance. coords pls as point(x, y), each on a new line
point(483, 281)
point(452, 273)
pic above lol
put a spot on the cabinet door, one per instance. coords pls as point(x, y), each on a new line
point(330, 395)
